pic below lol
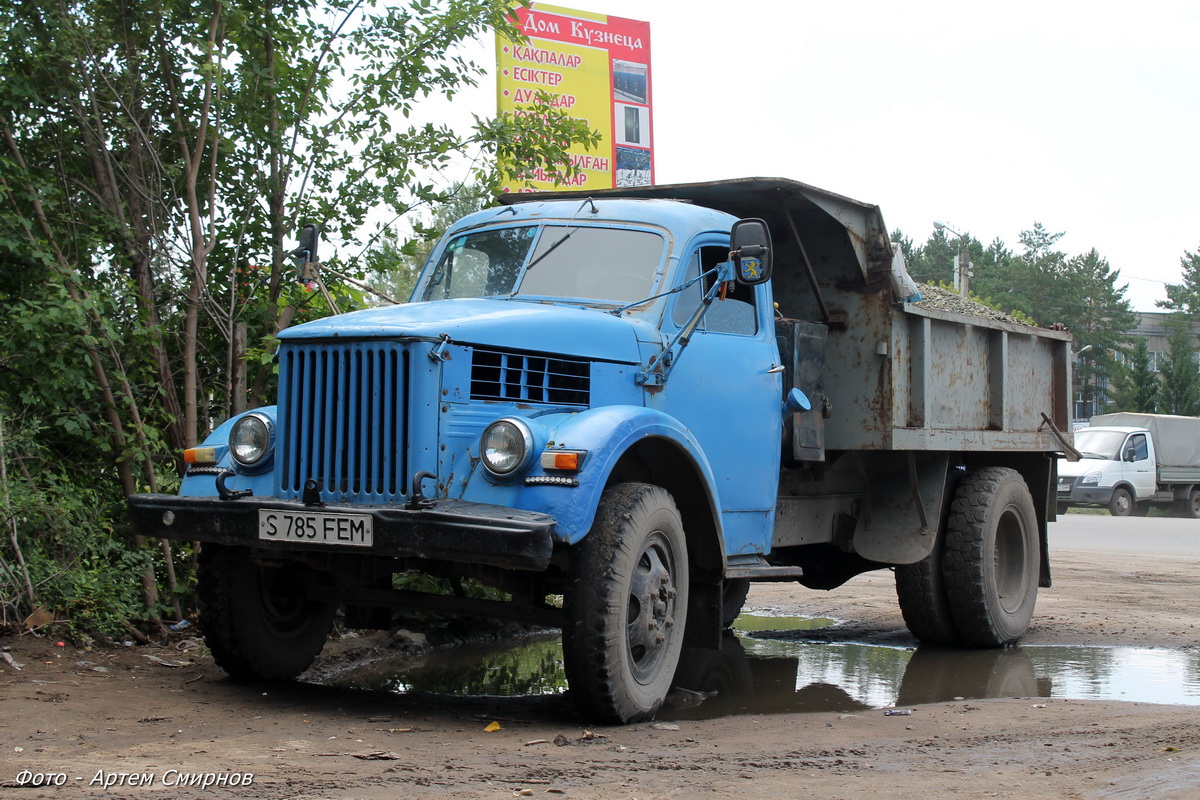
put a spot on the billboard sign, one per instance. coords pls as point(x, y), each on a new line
point(597, 68)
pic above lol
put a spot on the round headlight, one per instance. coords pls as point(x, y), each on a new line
point(250, 440)
point(507, 445)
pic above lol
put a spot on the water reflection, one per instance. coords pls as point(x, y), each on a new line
point(530, 666)
point(766, 666)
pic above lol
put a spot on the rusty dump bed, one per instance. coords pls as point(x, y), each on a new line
point(893, 375)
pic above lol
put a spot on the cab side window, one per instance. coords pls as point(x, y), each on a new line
point(735, 314)
point(1137, 443)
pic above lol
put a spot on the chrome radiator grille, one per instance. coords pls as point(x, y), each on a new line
point(341, 420)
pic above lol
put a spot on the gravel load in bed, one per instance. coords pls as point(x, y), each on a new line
point(952, 301)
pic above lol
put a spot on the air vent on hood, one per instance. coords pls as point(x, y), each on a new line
point(517, 377)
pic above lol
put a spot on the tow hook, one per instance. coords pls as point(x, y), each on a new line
point(420, 501)
point(230, 494)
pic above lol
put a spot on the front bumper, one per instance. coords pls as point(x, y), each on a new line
point(454, 530)
point(1069, 491)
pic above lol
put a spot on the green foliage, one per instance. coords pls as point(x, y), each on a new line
point(60, 541)
point(1135, 384)
point(393, 265)
point(1185, 297)
point(1180, 378)
point(156, 159)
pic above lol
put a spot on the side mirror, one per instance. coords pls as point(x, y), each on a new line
point(1130, 455)
point(750, 246)
point(307, 251)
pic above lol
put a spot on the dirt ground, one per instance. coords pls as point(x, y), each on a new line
point(86, 718)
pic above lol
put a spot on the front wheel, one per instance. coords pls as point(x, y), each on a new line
point(1121, 503)
point(992, 557)
point(257, 619)
point(625, 604)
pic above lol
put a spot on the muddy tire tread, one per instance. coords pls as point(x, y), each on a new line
point(240, 641)
point(965, 568)
point(594, 586)
point(921, 590)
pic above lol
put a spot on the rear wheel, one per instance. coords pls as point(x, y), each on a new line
point(625, 604)
point(921, 589)
point(733, 597)
point(1190, 506)
point(1121, 504)
point(992, 557)
point(256, 618)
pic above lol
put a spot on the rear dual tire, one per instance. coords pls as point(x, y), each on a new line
point(979, 585)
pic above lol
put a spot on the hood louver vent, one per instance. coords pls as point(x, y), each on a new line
point(515, 377)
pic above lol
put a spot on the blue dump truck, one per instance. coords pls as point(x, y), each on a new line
point(619, 409)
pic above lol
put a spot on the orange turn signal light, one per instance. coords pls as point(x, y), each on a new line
point(200, 455)
point(567, 460)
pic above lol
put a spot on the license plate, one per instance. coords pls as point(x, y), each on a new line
point(1064, 487)
point(315, 527)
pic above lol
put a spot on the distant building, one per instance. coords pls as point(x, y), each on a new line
point(1152, 325)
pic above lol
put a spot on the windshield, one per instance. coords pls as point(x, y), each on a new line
point(1099, 444)
point(571, 261)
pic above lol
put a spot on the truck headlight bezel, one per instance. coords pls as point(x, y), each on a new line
point(1091, 479)
point(252, 441)
point(506, 447)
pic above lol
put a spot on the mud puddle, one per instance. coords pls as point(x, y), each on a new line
point(766, 665)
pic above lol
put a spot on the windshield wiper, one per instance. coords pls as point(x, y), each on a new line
point(550, 249)
point(570, 232)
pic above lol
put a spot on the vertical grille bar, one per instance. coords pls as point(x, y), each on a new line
point(349, 442)
point(387, 429)
point(376, 428)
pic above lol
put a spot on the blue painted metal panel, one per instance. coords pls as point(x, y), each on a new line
point(606, 434)
point(493, 322)
point(261, 481)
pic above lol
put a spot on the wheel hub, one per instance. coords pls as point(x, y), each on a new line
point(651, 606)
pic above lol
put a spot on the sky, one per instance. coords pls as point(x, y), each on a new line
point(988, 117)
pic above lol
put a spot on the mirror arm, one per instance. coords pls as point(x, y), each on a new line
point(656, 372)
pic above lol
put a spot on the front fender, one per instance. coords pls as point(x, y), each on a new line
point(606, 434)
point(202, 482)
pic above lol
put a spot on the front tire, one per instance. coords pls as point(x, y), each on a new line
point(1121, 503)
point(992, 558)
point(625, 604)
point(257, 620)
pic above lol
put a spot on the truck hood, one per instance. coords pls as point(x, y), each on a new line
point(1083, 466)
point(508, 324)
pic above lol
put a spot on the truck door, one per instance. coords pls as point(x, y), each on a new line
point(1140, 471)
point(723, 391)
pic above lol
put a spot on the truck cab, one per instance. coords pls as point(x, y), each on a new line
point(1117, 470)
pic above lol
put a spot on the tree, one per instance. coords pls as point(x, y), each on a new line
point(1135, 385)
point(156, 159)
point(1098, 315)
point(1185, 297)
point(1180, 378)
point(393, 265)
